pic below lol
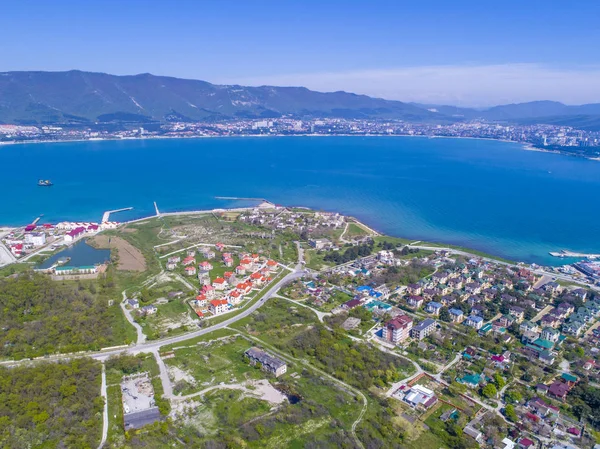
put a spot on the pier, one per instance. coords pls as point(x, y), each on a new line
point(106, 215)
point(566, 253)
point(263, 202)
point(37, 219)
point(156, 209)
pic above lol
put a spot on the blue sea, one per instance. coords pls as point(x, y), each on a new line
point(488, 195)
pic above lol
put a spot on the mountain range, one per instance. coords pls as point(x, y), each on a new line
point(84, 98)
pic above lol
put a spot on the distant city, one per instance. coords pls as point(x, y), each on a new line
point(562, 139)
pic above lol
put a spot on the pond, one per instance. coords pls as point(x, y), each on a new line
point(81, 254)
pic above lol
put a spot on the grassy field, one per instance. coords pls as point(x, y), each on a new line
point(314, 259)
point(277, 321)
point(172, 318)
point(212, 363)
point(355, 230)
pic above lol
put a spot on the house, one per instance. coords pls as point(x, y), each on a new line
point(272, 265)
point(220, 247)
point(209, 291)
point(474, 433)
point(351, 304)
point(525, 443)
point(133, 303)
point(267, 362)
point(541, 408)
point(546, 357)
point(447, 300)
point(257, 279)
point(171, 266)
point(201, 300)
point(528, 326)
point(517, 312)
point(191, 252)
point(559, 390)
point(470, 380)
point(579, 293)
point(244, 287)
point(414, 289)
point(552, 287)
point(433, 308)
point(423, 329)
point(35, 238)
point(319, 243)
point(456, 315)
point(149, 310)
point(189, 260)
point(474, 321)
point(589, 365)
point(218, 306)
point(234, 297)
point(219, 284)
point(228, 262)
point(419, 396)
point(397, 329)
point(74, 234)
point(240, 270)
point(550, 334)
point(415, 302)
point(565, 309)
point(207, 253)
point(550, 320)
point(205, 266)
point(190, 271)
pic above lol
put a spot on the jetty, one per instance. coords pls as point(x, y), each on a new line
point(156, 209)
point(106, 214)
point(36, 220)
point(264, 203)
point(567, 253)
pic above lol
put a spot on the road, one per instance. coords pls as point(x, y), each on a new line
point(141, 337)
point(105, 412)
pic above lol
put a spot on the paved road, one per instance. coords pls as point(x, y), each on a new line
point(141, 337)
point(152, 346)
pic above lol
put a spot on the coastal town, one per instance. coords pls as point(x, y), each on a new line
point(564, 139)
point(482, 351)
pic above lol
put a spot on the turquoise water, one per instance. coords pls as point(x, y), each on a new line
point(488, 195)
point(81, 255)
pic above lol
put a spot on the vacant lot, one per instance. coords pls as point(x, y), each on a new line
point(130, 258)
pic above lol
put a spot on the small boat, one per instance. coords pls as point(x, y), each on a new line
point(44, 183)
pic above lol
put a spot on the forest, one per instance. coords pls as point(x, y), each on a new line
point(51, 405)
point(40, 316)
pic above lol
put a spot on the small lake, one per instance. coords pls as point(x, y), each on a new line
point(81, 254)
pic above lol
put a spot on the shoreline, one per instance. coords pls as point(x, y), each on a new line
point(525, 145)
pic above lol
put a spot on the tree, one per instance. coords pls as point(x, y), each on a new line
point(490, 391)
point(513, 396)
point(445, 315)
point(499, 381)
point(509, 412)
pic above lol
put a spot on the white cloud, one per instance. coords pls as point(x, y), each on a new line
point(466, 85)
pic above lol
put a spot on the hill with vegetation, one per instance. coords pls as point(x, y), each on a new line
point(78, 97)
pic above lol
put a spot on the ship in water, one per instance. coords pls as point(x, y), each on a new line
point(44, 183)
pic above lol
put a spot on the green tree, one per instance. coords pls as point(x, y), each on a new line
point(509, 412)
point(489, 391)
point(499, 381)
point(445, 315)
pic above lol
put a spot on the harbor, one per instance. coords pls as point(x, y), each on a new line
point(567, 253)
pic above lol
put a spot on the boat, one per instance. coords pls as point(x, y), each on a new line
point(44, 183)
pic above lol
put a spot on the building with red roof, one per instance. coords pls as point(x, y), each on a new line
point(398, 329)
point(218, 306)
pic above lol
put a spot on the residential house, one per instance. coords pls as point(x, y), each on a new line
point(171, 266)
point(433, 308)
point(456, 315)
point(219, 284)
point(550, 334)
point(133, 303)
point(414, 289)
point(517, 312)
point(415, 301)
point(423, 329)
point(205, 266)
point(234, 297)
point(149, 310)
point(228, 262)
point(267, 362)
point(189, 260)
point(474, 321)
point(528, 326)
point(218, 306)
point(398, 329)
point(209, 291)
point(190, 271)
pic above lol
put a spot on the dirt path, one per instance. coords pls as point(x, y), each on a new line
point(130, 258)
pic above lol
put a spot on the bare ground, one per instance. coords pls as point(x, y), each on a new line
point(130, 258)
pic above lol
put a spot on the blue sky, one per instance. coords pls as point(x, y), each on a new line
point(458, 52)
